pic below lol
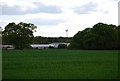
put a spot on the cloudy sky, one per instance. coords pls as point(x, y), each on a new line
point(53, 17)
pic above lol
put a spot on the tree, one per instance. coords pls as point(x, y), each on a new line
point(101, 36)
point(118, 33)
point(107, 35)
point(62, 46)
point(76, 42)
point(0, 36)
point(20, 35)
point(89, 40)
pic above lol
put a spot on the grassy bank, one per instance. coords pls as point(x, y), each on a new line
point(60, 64)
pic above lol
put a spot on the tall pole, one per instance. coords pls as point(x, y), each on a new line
point(118, 22)
point(66, 32)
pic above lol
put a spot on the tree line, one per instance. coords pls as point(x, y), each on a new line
point(21, 36)
point(100, 37)
point(48, 40)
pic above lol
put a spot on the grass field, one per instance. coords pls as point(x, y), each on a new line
point(60, 64)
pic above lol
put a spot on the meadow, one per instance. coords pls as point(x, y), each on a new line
point(60, 64)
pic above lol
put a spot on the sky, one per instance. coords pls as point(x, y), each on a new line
point(53, 17)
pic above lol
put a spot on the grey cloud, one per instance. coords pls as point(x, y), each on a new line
point(106, 12)
point(44, 8)
point(17, 9)
point(114, 0)
point(86, 9)
point(43, 22)
point(12, 10)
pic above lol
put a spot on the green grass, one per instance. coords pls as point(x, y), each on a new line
point(60, 64)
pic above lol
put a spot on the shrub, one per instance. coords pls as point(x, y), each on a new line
point(51, 47)
point(62, 46)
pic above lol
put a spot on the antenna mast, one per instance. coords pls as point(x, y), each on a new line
point(66, 32)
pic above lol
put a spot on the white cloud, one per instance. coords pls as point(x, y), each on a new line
point(46, 14)
point(86, 9)
point(22, 9)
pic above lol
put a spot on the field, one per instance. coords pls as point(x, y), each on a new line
point(60, 64)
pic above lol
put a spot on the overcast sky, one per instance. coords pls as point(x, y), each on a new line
point(53, 17)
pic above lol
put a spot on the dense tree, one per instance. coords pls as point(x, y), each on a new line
point(0, 36)
point(20, 35)
point(0, 31)
point(118, 31)
point(62, 46)
point(107, 35)
point(101, 36)
point(47, 40)
point(76, 42)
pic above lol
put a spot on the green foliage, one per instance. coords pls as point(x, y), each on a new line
point(101, 36)
point(118, 30)
point(51, 47)
point(48, 40)
point(62, 46)
point(59, 64)
point(20, 35)
point(0, 35)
